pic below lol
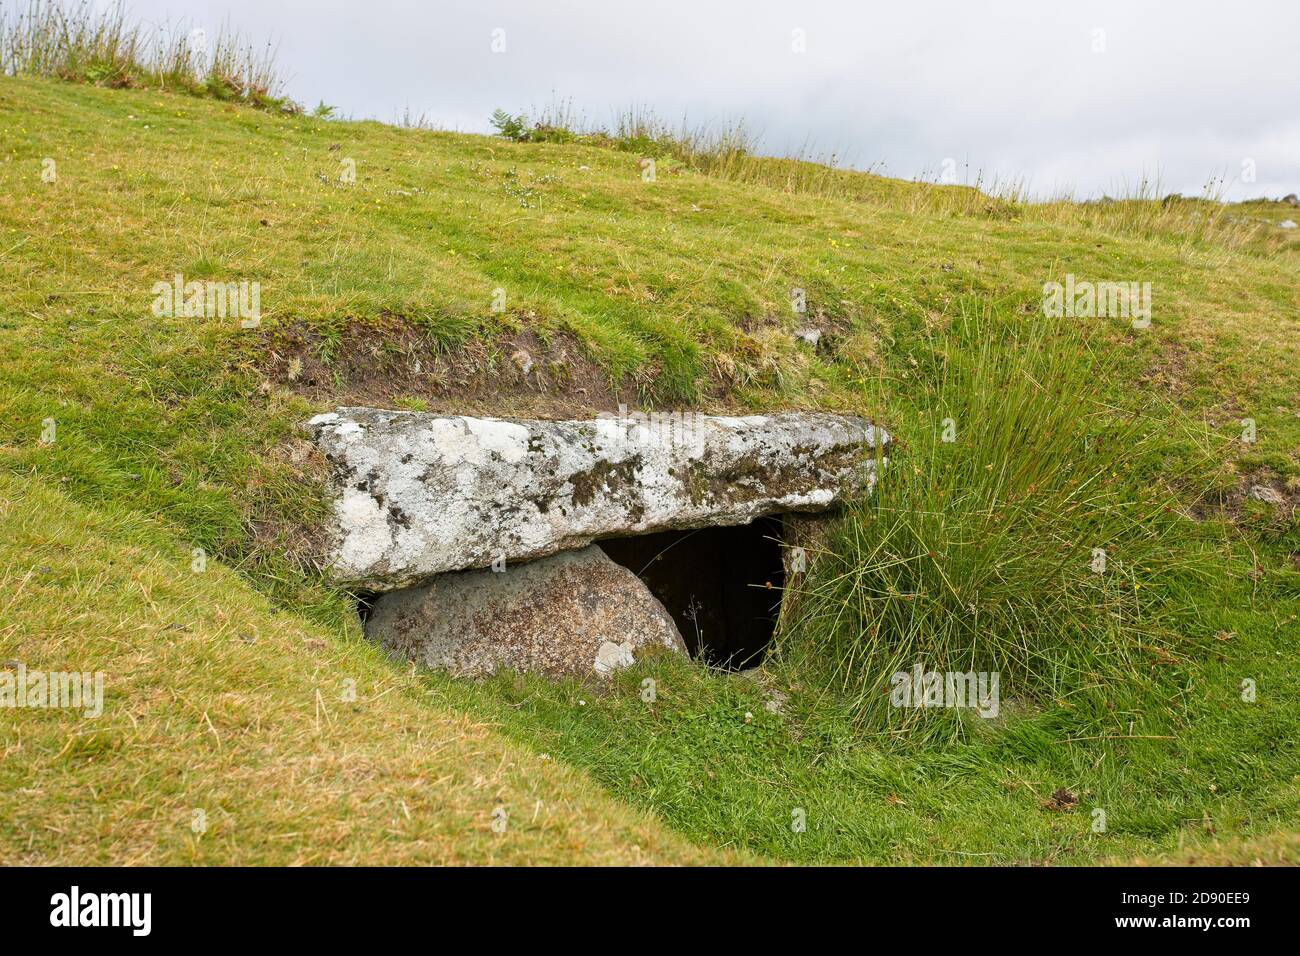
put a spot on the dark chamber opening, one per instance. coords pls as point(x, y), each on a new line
point(366, 603)
point(721, 585)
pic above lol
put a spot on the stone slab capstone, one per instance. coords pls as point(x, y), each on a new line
point(419, 494)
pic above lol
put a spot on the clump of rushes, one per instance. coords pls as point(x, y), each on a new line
point(83, 44)
point(981, 548)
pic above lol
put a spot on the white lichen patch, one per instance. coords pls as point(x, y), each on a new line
point(420, 494)
point(611, 656)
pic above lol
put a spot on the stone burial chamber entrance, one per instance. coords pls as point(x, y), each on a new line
point(721, 585)
point(568, 548)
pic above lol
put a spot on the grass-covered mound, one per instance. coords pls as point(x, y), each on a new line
point(128, 439)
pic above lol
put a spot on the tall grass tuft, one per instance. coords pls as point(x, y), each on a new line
point(83, 44)
point(981, 553)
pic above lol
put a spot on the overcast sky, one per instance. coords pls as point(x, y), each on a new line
point(1060, 95)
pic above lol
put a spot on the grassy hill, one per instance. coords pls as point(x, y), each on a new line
point(428, 270)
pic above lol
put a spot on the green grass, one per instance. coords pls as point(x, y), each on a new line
point(1203, 766)
point(216, 702)
point(1028, 530)
point(730, 151)
point(177, 433)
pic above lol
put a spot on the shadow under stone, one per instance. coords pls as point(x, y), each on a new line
point(722, 586)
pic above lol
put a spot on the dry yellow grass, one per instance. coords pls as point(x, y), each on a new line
point(213, 701)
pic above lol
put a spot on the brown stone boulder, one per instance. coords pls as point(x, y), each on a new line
point(575, 614)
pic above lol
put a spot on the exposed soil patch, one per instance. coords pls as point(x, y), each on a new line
point(1262, 504)
point(827, 330)
point(1263, 486)
point(1169, 374)
point(391, 363)
point(1063, 800)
